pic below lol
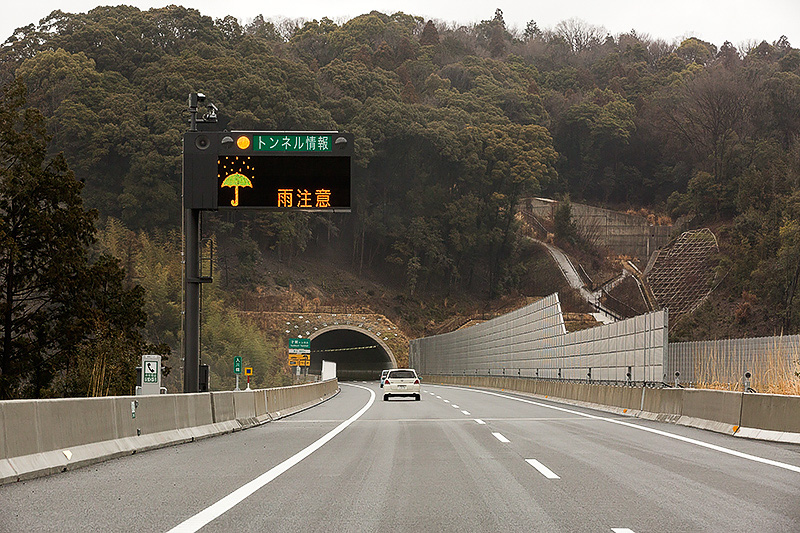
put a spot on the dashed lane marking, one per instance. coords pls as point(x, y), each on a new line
point(546, 472)
point(500, 437)
point(681, 438)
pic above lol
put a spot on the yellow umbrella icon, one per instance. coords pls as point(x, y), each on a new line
point(236, 180)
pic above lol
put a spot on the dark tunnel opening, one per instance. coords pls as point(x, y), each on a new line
point(356, 354)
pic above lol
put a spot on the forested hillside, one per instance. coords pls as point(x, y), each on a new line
point(453, 126)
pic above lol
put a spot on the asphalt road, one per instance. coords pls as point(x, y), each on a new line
point(459, 460)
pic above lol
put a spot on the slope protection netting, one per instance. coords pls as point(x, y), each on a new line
point(682, 275)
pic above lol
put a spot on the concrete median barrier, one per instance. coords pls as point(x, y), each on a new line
point(772, 416)
point(39, 437)
point(289, 400)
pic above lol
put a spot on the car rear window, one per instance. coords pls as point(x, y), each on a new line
point(399, 374)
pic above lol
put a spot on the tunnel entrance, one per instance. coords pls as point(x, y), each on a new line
point(357, 353)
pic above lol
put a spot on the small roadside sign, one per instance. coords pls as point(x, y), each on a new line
point(150, 373)
point(237, 364)
point(297, 359)
point(248, 371)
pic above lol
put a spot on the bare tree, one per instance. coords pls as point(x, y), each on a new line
point(580, 34)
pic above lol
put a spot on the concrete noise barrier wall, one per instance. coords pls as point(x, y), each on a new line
point(772, 417)
point(38, 437)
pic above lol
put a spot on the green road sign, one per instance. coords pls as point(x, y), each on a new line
point(150, 372)
point(299, 345)
point(237, 364)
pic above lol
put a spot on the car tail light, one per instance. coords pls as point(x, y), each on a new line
point(387, 382)
point(416, 382)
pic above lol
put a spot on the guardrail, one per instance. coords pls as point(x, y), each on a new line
point(773, 417)
point(40, 437)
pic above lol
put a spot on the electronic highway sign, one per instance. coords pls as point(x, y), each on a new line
point(285, 171)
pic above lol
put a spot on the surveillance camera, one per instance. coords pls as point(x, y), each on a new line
point(211, 114)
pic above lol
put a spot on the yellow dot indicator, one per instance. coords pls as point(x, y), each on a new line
point(243, 142)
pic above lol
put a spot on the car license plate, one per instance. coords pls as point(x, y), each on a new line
point(401, 386)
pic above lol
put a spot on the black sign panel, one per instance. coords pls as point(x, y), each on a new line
point(287, 171)
point(312, 183)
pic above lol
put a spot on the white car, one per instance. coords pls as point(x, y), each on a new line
point(401, 382)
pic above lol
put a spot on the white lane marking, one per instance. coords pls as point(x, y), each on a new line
point(479, 421)
point(439, 397)
point(500, 437)
point(447, 401)
point(622, 530)
point(465, 412)
point(454, 405)
point(228, 502)
point(546, 472)
point(681, 438)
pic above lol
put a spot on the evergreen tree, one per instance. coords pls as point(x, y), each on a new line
point(51, 300)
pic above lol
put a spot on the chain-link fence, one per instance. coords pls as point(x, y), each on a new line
point(772, 362)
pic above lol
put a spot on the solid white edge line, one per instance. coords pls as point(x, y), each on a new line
point(208, 514)
point(479, 421)
point(500, 437)
point(546, 472)
point(696, 442)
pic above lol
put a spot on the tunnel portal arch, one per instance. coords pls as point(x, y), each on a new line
point(358, 353)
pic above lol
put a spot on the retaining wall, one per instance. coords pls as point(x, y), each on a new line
point(621, 233)
point(762, 416)
point(38, 437)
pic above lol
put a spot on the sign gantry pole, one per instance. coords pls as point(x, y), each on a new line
point(191, 341)
point(191, 257)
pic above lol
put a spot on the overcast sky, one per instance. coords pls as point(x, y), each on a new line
point(716, 21)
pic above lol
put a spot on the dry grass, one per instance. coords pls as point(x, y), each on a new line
point(777, 371)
